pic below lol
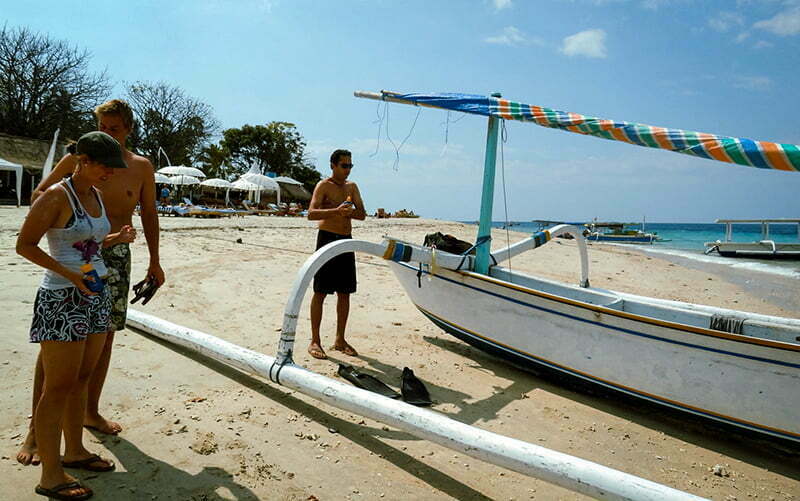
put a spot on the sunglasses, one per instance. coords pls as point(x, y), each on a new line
point(346, 166)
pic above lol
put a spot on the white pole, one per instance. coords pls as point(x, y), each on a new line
point(561, 469)
point(51, 155)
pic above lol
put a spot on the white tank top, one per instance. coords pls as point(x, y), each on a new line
point(79, 243)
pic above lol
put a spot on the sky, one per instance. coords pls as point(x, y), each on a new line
point(726, 67)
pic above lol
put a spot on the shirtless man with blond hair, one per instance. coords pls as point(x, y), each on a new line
point(121, 193)
point(335, 202)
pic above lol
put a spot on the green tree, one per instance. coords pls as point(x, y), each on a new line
point(169, 119)
point(45, 84)
point(213, 161)
point(277, 145)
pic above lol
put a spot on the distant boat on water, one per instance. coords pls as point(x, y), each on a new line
point(765, 248)
point(618, 233)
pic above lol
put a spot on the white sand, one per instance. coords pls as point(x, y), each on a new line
point(197, 430)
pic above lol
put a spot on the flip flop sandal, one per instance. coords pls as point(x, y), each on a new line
point(137, 288)
point(318, 354)
point(145, 289)
point(347, 350)
point(87, 464)
point(55, 492)
point(149, 291)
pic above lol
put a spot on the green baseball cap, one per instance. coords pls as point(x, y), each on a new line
point(101, 148)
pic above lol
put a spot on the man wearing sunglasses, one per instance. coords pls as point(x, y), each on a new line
point(335, 202)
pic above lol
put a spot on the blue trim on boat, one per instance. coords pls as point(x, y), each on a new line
point(507, 353)
point(600, 324)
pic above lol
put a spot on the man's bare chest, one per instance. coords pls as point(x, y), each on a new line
point(335, 195)
point(122, 190)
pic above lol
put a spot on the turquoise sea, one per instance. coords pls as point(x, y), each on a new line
point(686, 240)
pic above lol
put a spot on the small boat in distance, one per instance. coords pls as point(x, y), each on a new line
point(617, 233)
point(764, 248)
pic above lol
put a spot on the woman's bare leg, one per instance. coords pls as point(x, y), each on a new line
point(93, 418)
point(28, 453)
point(76, 404)
point(61, 362)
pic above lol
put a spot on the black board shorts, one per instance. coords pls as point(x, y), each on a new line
point(338, 274)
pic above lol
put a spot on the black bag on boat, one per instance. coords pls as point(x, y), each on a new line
point(447, 243)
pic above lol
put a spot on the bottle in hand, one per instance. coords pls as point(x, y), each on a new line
point(92, 280)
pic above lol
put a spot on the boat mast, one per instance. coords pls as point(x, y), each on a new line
point(487, 197)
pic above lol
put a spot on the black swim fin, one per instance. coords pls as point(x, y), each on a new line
point(414, 391)
point(366, 381)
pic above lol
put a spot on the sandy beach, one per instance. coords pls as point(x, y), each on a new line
point(197, 430)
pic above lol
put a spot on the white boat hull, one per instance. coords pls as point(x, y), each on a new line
point(763, 250)
point(747, 382)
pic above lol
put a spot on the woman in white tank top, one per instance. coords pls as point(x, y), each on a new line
point(69, 320)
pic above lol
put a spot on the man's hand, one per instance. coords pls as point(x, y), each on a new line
point(346, 209)
point(127, 234)
point(156, 272)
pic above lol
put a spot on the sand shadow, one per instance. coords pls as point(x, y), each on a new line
point(776, 455)
point(393, 376)
point(367, 438)
point(147, 477)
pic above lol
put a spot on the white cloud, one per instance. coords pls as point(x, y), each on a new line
point(509, 36)
point(726, 21)
point(755, 83)
point(741, 37)
point(762, 44)
point(588, 43)
point(502, 4)
point(784, 23)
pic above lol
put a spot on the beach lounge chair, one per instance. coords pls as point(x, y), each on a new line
point(295, 209)
point(254, 210)
point(275, 210)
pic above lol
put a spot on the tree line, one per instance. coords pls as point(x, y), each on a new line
point(47, 84)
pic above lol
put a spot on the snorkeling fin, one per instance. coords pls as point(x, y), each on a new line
point(366, 381)
point(414, 391)
point(145, 289)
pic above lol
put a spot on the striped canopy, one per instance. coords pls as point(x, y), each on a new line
point(740, 151)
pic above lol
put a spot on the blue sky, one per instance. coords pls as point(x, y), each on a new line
point(727, 67)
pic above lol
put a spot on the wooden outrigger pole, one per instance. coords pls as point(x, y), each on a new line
point(567, 471)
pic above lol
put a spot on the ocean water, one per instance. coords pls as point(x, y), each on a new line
point(687, 240)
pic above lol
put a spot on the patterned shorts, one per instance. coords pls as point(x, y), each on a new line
point(68, 315)
point(118, 282)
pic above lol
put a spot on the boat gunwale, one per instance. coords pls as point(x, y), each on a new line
point(633, 316)
point(627, 315)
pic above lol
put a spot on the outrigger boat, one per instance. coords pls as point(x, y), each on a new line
point(738, 368)
point(766, 248)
